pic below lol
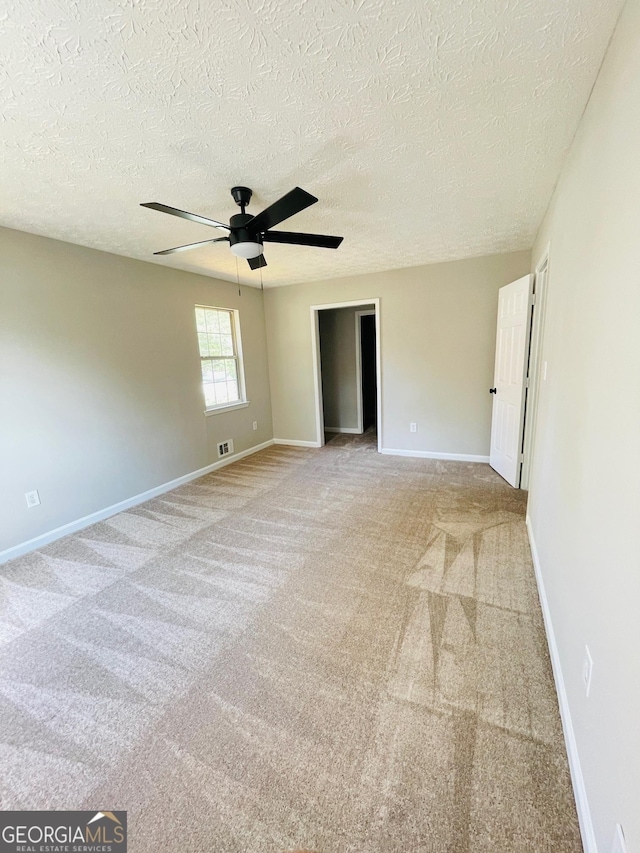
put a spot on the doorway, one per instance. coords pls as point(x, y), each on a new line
point(537, 368)
point(517, 375)
point(367, 379)
point(346, 364)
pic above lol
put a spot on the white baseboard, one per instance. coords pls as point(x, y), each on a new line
point(432, 454)
point(292, 442)
point(107, 512)
point(577, 779)
point(349, 430)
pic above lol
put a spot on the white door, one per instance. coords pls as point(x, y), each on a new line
point(512, 356)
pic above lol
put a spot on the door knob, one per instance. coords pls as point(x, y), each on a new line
point(493, 390)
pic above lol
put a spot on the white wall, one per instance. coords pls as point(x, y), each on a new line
point(100, 385)
point(437, 337)
point(585, 488)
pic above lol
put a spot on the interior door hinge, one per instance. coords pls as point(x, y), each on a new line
point(533, 299)
point(522, 457)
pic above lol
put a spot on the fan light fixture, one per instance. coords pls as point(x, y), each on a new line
point(247, 249)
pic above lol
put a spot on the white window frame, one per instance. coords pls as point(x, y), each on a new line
point(242, 402)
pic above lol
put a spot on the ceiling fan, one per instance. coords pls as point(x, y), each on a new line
point(247, 233)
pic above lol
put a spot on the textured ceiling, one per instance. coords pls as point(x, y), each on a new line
point(429, 129)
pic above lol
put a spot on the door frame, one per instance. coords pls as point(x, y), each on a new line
point(317, 364)
point(540, 290)
point(359, 401)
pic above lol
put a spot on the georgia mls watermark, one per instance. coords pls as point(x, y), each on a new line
point(63, 832)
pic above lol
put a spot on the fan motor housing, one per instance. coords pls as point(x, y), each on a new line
point(239, 232)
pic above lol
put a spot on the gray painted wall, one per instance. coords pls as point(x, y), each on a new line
point(585, 485)
point(437, 337)
point(100, 384)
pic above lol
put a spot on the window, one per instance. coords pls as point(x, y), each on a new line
point(220, 356)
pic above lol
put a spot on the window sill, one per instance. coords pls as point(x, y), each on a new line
point(230, 408)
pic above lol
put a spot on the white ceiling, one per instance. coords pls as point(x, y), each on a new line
point(429, 129)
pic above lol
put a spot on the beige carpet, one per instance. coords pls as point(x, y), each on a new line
point(331, 650)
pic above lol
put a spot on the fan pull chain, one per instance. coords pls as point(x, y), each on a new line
point(238, 277)
point(261, 284)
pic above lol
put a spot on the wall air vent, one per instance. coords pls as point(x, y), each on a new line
point(225, 447)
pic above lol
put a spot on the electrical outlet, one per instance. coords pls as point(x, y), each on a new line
point(619, 844)
point(587, 667)
point(255, 425)
point(32, 498)
point(413, 427)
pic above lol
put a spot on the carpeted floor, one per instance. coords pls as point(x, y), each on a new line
point(323, 649)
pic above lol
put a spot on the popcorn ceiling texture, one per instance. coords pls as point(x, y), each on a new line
point(430, 131)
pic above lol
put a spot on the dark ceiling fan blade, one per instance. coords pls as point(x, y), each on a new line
point(183, 214)
point(290, 204)
point(323, 241)
point(192, 246)
point(256, 263)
